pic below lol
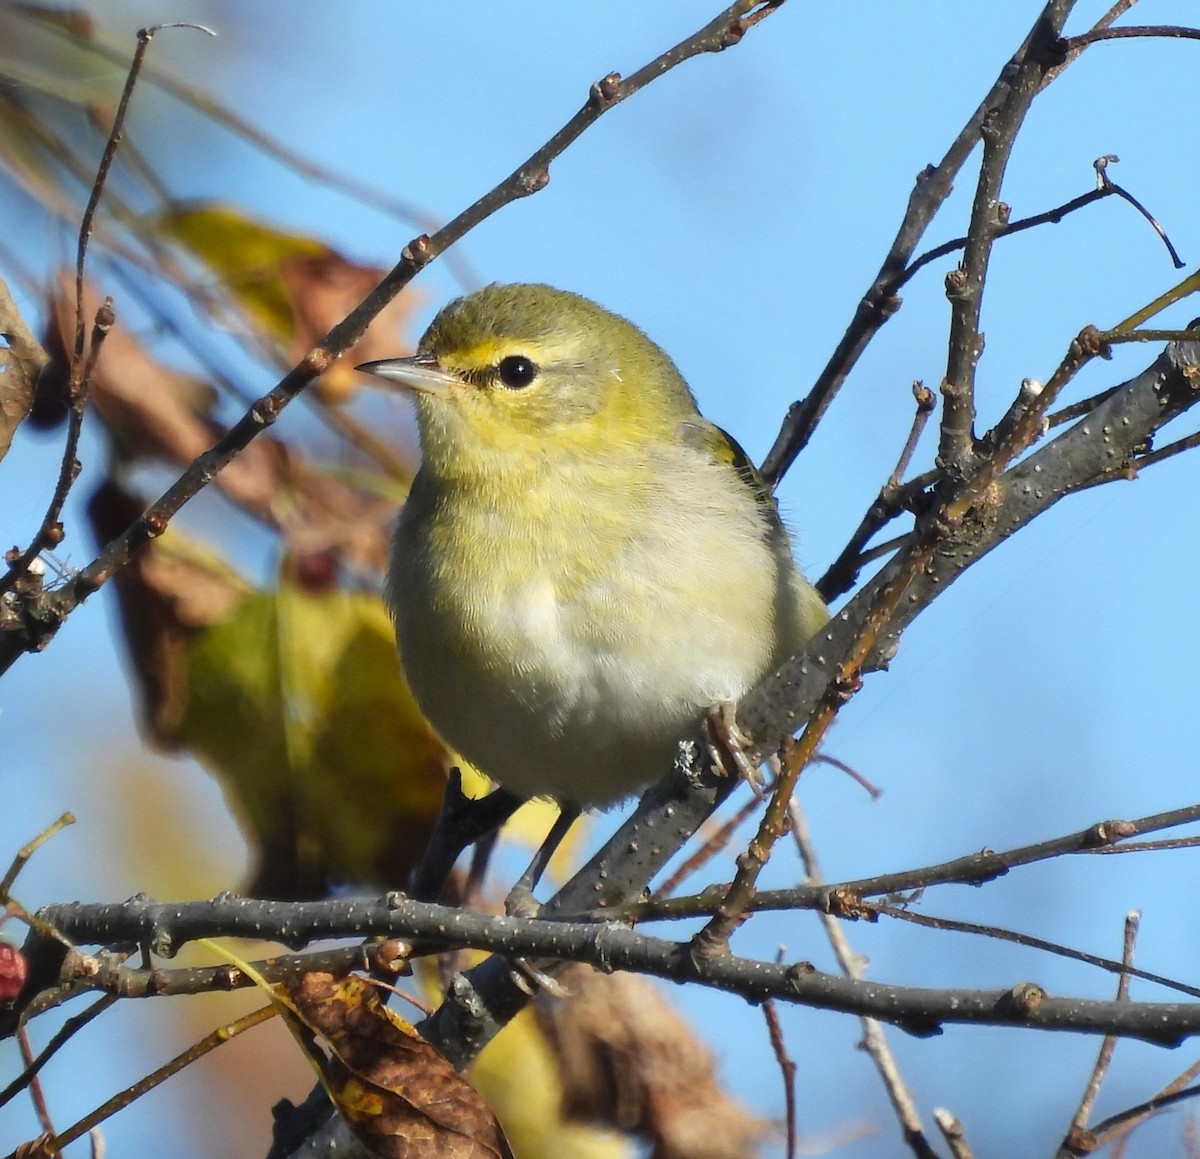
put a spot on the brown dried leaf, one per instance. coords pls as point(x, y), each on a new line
point(152, 411)
point(21, 361)
point(290, 287)
point(401, 1098)
point(322, 290)
point(629, 1061)
point(165, 592)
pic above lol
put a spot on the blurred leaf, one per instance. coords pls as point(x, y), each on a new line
point(245, 255)
point(322, 290)
point(22, 360)
point(518, 1075)
point(626, 1059)
point(398, 1094)
point(297, 701)
point(293, 697)
point(167, 591)
point(50, 70)
point(65, 67)
point(154, 412)
point(295, 287)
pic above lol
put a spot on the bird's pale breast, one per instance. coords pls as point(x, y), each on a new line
point(567, 658)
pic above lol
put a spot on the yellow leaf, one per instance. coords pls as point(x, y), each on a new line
point(296, 700)
point(246, 255)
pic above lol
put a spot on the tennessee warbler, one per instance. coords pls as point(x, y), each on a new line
point(584, 563)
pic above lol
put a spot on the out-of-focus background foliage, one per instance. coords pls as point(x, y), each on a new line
point(736, 210)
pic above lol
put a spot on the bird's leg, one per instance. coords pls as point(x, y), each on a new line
point(481, 858)
point(460, 822)
point(727, 745)
point(454, 961)
point(520, 901)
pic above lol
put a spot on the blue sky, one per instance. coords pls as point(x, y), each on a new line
point(737, 209)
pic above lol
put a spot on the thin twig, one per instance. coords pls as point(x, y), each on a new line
point(1176, 293)
point(880, 301)
point(874, 1040)
point(1079, 409)
point(894, 497)
point(965, 286)
point(1152, 846)
point(1121, 1131)
point(1114, 1124)
point(28, 850)
point(1161, 455)
point(1108, 1044)
point(1115, 337)
point(1106, 182)
point(868, 909)
point(972, 869)
point(717, 840)
point(1132, 31)
point(1106, 187)
point(1118, 9)
point(787, 1068)
point(1071, 55)
point(953, 1132)
point(60, 1038)
point(873, 791)
point(123, 1098)
point(145, 35)
point(50, 532)
point(734, 907)
point(1048, 217)
point(35, 1088)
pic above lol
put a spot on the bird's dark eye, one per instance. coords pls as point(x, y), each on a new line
point(516, 371)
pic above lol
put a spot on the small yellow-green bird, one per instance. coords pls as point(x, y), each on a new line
point(584, 564)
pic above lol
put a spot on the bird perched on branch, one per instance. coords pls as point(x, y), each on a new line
point(584, 564)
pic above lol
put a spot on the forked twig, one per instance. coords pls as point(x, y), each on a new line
point(1108, 1045)
point(874, 1039)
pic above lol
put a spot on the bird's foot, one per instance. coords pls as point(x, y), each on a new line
point(533, 981)
point(727, 745)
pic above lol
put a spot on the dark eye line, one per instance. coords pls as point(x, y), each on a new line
point(516, 371)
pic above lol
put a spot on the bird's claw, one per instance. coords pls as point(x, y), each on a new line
point(727, 745)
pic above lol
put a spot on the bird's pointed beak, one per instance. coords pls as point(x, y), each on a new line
point(417, 373)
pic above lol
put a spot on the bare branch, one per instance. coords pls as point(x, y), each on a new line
point(973, 869)
point(1107, 1047)
point(879, 302)
point(964, 287)
point(787, 1068)
point(874, 1040)
point(1132, 31)
point(612, 945)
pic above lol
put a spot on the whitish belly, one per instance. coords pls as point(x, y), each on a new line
point(579, 699)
